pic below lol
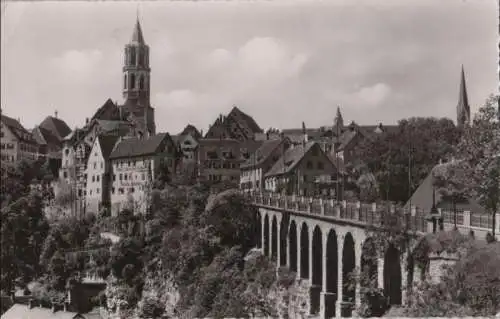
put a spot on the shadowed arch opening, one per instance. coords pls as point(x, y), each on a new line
point(372, 298)
point(304, 251)
point(258, 229)
point(317, 270)
point(266, 235)
point(283, 241)
point(331, 274)
point(293, 246)
point(392, 276)
point(274, 239)
point(369, 270)
point(348, 265)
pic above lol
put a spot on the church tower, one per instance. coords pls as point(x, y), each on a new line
point(136, 70)
point(137, 83)
point(463, 109)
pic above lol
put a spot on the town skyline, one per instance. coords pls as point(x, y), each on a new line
point(281, 71)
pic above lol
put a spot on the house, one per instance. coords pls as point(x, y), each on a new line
point(260, 162)
point(303, 169)
point(136, 163)
point(98, 175)
point(17, 143)
point(30, 311)
point(188, 142)
point(56, 126)
point(426, 195)
point(219, 160)
point(236, 125)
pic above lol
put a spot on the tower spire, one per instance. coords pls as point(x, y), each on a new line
point(463, 108)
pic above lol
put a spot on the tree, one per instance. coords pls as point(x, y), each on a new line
point(23, 230)
point(419, 141)
point(476, 168)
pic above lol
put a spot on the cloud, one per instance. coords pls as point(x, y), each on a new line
point(176, 99)
point(75, 64)
point(371, 96)
point(269, 58)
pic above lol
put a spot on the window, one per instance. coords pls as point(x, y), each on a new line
point(128, 163)
point(125, 176)
point(65, 174)
point(132, 190)
point(95, 165)
point(98, 177)
point(97, 191)
point(112, 190)
point(309, 165)
point(132, 80)
point(141, 82)
point(143, 176)
point(114, 177)
point(120, 176)
point(321, 165)
point(133, 57)
point(90, 192)
point(102, 165)
point(93, 178)
point(120, 190)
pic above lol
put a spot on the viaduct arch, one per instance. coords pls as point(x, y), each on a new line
point(325, 254)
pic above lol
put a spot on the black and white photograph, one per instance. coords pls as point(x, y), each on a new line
point(197, 159)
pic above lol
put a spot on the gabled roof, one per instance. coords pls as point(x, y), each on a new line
point(133, 147)
point(108, 105)
point(422, 197)
point(58, 127)
point(18, 130)
point(12, 123)
point(249, 121)
point(107, 144)
point(263, 153)
point(18, 311)
point(191, 129)
point(45, 137)
point(290, 159)
point(109, 125)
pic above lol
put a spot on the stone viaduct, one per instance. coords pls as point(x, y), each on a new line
point(323, 243)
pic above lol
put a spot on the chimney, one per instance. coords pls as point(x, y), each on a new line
point(31, 303)
point(55, 114)
point(86, 121)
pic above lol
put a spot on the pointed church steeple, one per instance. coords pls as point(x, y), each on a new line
point(338, 122)
point(463, 108)
point(137, 37)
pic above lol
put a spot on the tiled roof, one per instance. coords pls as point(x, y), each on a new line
point(58, 127)
point(18, 311)
point(107, 125)
point(107, 144)
point(191, 129)
point(12, 123)
point(18, 130)
point(262, 153)
point(217, 141)
point(251, 123)
point(291, 158)
point(106, 106)
point(132, 147)
point(44, 137)
point(422, 197)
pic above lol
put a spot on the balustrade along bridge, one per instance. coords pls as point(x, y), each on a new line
point(323, 243)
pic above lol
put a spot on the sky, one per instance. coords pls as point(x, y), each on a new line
point(282, 62)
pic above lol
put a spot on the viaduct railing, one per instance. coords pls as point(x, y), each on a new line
point(370, 213)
